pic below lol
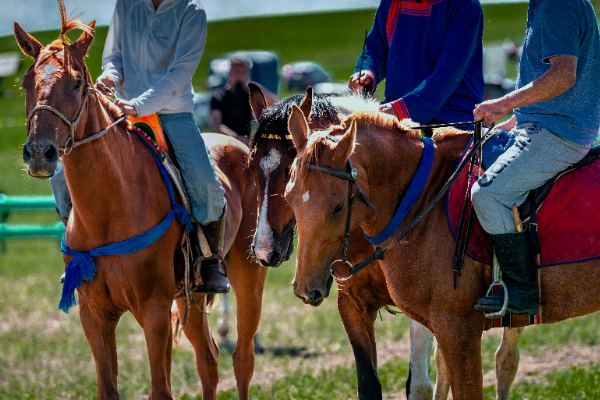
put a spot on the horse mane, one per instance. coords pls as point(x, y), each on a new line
point(273, 121)
point(373, 120)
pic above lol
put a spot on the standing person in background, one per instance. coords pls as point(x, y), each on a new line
point(430, 53)
point(151, 52)
point(230, 112)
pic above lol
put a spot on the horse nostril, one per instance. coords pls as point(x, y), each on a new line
point(315, 296)
point(27, 153)
point(51, 153)
point(273, 257)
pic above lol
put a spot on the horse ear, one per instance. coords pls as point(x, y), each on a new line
point(298, 128)
point(81, 46)
point(344, 148)
point(257, 99)
point(28, 44)
point(306, 105)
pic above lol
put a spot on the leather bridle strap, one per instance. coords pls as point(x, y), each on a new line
point(70, 144)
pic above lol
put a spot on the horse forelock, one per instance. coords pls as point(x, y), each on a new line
point(273, 123)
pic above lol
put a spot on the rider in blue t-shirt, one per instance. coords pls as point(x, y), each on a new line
point(557, 115)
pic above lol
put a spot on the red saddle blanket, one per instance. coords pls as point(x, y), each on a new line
point(568, 219)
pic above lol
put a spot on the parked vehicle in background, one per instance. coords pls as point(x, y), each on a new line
point(302, 74)
point(332, 89)
point(496, 60)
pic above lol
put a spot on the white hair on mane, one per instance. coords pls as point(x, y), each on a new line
point(352, 103)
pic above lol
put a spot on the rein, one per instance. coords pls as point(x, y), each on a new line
point(70, 144)
point(380, 251)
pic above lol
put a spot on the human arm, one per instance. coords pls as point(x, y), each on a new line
point(557, 80)
point(188, 51)
point(112, 61)
point(462, 40)
point(375, 54)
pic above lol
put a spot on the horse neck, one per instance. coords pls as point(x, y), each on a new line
point(101, 174)
point(391, 162)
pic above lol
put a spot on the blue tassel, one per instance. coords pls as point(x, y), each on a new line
point(81, 267)
point(182, 216)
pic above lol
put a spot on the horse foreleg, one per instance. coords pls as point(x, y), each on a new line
point(247, 281)
point(155, 319)
point(507, 361)
point(99, 330)
point(419, 385)
point(442, 383)
point(205, 348)
point(358, 322)
point(460, 343)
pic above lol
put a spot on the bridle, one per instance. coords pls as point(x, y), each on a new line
point(70, 144)
point(480, 140)
point(351, 178)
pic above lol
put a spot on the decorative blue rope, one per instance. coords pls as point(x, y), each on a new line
point(414, 191)
point(82, 266)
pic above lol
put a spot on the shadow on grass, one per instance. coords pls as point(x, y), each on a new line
point(228, 346)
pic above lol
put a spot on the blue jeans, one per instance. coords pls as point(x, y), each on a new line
point(204, 189)
point(536, 156)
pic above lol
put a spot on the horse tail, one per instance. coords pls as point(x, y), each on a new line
point(210, 300)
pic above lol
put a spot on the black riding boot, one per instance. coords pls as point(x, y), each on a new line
point(516, 259)
point(213, 278)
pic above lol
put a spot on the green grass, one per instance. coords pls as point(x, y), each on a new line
point(45, 354)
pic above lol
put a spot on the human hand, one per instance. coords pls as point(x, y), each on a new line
point(126, 107)
point(492, 110)
point(105, 85)
point(388, 108)
point(359, 81)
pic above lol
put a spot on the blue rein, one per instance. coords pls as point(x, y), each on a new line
point(414, 191)
point(82, 266)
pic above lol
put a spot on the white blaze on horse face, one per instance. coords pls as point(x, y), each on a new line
point(47, 73)
point(263, 239)
point(305, 197)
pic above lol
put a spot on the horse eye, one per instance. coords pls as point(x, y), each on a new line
point(77, 85)
point(338, 208)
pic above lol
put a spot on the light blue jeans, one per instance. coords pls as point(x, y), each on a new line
point(197, 169)
point(536, 156)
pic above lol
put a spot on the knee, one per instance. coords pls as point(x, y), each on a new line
point(479, 195)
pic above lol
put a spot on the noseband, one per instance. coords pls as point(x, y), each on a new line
point(70, 144)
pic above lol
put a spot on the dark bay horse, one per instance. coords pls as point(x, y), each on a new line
point(117, 193)
point(386, 153)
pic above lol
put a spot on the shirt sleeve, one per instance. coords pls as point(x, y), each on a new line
point(561, 32)
point(462, 39)
point(190, 45)
point(376, 50)
point(112, 59)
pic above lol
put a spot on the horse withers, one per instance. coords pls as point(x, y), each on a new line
point(386, 153)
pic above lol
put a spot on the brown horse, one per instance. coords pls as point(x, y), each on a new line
point(418, 270)
point(117, 193)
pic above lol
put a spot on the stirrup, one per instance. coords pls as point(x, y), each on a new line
point(502, 311)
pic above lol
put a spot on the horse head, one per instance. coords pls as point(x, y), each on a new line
point(320, 203)
point(271, 155)
point(56, 87)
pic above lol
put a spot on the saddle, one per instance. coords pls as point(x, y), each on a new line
point(568, 213)
point(151, 126)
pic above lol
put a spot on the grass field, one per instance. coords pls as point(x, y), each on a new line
point(44, 352)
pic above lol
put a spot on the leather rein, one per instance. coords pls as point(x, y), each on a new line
point(351, 176)
point(70, 144)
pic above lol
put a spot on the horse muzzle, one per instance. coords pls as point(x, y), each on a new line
point(315, 296)
point(41, 157)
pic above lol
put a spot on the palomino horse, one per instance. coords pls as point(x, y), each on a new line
point(385, 154)
point(361, 297)
point(118, 193)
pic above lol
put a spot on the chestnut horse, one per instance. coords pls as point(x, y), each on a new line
point(386, 154)
point(361, 297)
point(117, 193)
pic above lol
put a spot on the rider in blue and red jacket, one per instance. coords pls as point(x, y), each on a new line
point(430, 53)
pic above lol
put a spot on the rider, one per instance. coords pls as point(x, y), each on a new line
point(152, 50)
point(430, 54)
point(556, 118)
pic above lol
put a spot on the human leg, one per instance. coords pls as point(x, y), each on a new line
point(205, 192)
point(536, 156)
